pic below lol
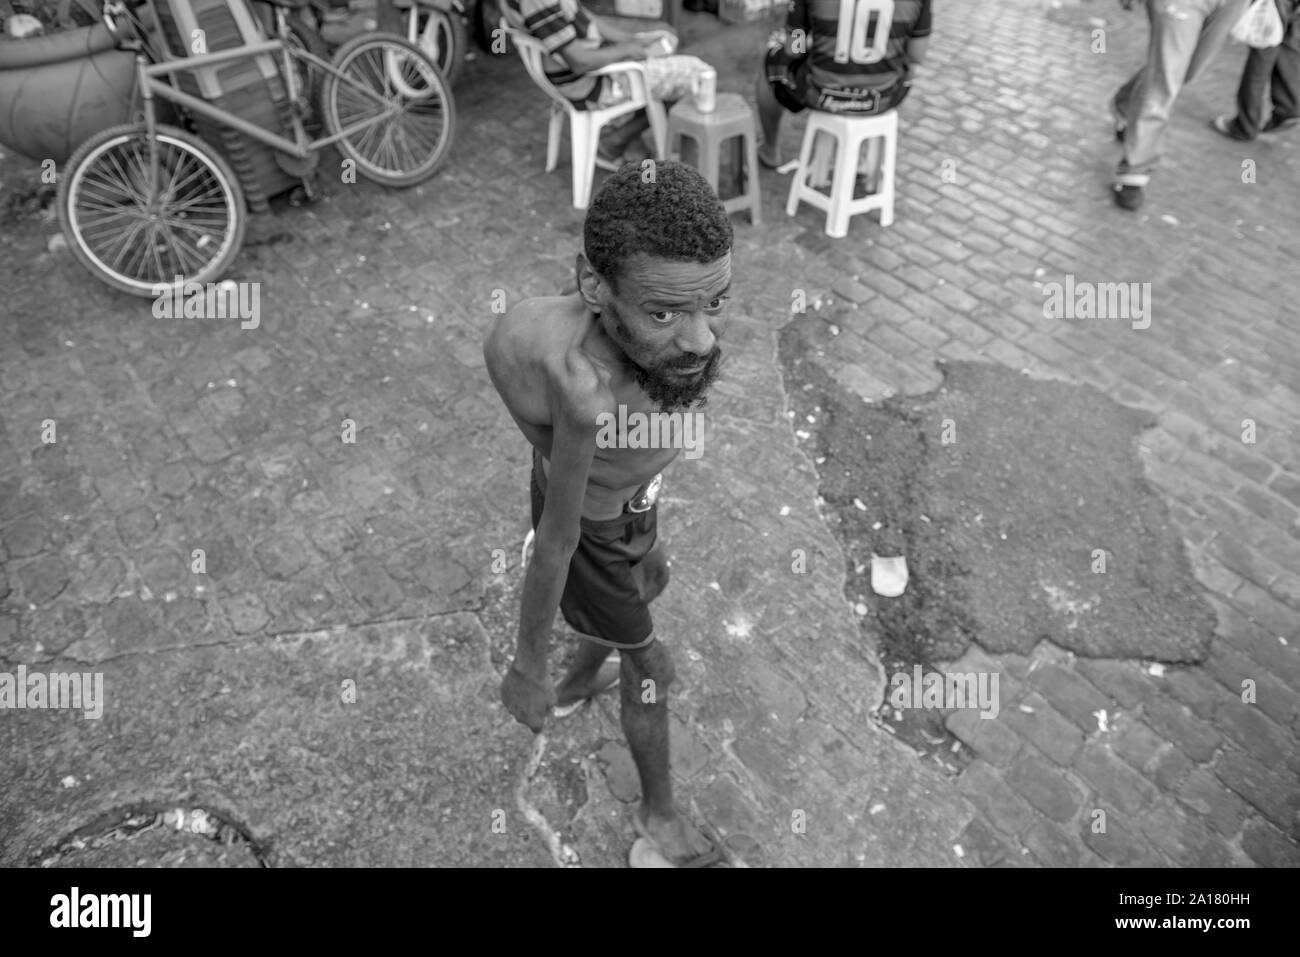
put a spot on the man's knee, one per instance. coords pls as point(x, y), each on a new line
point(652, 664)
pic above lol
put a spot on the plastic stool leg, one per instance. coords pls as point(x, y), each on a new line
point(750, 143)
point(584, 160)
point(888, 164)
point(553, 138)
point(709, 159)
point(846, 167)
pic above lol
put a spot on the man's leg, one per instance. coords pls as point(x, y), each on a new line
point(1286, 84)
point(586, 677)
point(1251, 92)
point(617, 140)
point(1175, 34)
point(1122, 104)
point(647, 673)
point(770, 112)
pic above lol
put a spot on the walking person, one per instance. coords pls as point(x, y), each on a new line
point(1275, 69)
point(1185, 37)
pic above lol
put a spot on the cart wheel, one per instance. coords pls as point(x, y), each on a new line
point(137, 237)
point(395, 87)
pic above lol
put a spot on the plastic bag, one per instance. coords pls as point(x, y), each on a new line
point(1260, 26)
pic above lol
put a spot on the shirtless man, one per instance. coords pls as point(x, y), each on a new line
point(641, 331)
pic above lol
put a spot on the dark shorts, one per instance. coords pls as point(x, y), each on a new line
point(795, 90)
point(602, 599)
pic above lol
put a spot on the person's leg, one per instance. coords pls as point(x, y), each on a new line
point(1286, 85)
point(770, 112)
point(1220, 16)
point(1122, 103)
point(1175, 35)
point(647, 673)
point(1251, 92)
point(587, 675)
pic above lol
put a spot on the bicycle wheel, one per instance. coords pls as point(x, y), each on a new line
point(442, 36)
point(136, 236)
point(398, 90)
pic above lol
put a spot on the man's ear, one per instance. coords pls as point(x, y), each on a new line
point(591, 286)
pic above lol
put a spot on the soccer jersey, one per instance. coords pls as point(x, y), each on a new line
point(841, 58)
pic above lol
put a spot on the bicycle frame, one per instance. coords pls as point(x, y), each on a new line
point(148, 74)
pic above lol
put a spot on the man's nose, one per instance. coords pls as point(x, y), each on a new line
point(696, 337)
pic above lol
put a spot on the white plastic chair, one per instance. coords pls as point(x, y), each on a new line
point(849, 132)
point(585, 125)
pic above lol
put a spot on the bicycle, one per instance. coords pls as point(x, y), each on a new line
point(148, 207)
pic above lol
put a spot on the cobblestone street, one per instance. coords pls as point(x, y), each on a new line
point(391, 565)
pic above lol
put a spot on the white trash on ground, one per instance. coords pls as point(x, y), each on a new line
point(888, 575)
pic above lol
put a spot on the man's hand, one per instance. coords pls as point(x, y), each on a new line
point(529, 699)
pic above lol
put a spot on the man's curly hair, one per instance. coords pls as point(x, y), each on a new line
point(674, 215)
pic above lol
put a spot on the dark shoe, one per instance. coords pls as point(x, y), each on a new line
point(1128, 197)
point(1228, 127)
point(1275, 125)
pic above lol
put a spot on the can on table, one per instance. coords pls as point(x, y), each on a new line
point(706, 90)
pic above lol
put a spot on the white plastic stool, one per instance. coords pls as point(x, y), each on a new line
point(849, 132)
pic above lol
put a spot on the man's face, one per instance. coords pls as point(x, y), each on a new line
point(667, 317)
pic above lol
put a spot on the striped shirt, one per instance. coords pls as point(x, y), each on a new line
point(557, 23)
point(839, 40)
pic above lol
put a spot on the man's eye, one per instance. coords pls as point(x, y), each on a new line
point(665, 317)
point(716, 304)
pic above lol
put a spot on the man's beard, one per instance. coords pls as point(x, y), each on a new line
point(661, 383)
point(672, 391)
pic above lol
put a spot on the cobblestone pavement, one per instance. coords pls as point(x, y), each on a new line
point(392, 562)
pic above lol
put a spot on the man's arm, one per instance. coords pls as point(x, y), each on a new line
point(584, 59)
point(916, 47)
point(527, 691)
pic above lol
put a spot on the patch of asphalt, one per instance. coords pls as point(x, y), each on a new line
point(1021, 508)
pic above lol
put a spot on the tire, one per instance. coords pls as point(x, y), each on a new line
point(448, 31)
point(110, 170)
point(425, 120)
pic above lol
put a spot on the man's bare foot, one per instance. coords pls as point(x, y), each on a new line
point(676, 838)
point(573, 689)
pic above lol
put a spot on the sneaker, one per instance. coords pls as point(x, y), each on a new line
point(1128, 197)
point(1275, 125)
point(1227, 126)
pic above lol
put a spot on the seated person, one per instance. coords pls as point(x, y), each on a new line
point(576, 45)
point(805, 67)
